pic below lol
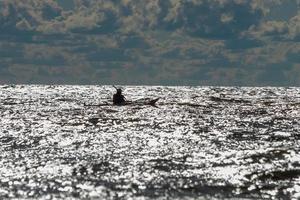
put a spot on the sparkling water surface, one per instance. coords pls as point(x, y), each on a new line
point(198, 143)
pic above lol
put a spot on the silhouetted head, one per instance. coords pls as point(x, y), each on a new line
point(119, 91)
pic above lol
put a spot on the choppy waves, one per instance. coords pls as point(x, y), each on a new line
point(200, 142)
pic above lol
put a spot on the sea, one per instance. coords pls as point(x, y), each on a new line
point(70, 142)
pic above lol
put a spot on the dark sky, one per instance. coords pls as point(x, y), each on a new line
point(150, 42)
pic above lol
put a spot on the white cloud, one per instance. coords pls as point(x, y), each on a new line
point(227, 17)
point(286, 30)
point(294, 27)
point(23, 25)
point(198, 17)
point(27, 14)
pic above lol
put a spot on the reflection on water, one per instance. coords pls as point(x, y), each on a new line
point(200, 142)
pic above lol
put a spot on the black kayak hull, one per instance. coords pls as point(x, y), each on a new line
point(130, 103)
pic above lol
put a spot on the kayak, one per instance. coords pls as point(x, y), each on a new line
point(151, 102)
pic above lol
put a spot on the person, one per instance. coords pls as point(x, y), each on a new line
point(118, 98)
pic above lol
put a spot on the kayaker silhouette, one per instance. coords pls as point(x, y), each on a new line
point(118, 98)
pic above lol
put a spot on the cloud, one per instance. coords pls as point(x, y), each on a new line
point(23, 25)
point(200, 18)
point(155, 41)
point(277, 30)
point(87, 17)
point(219, 19)
point(270, 28)
point(26, 15)
point(294, 27)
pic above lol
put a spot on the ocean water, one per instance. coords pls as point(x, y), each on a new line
point(198, 143)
